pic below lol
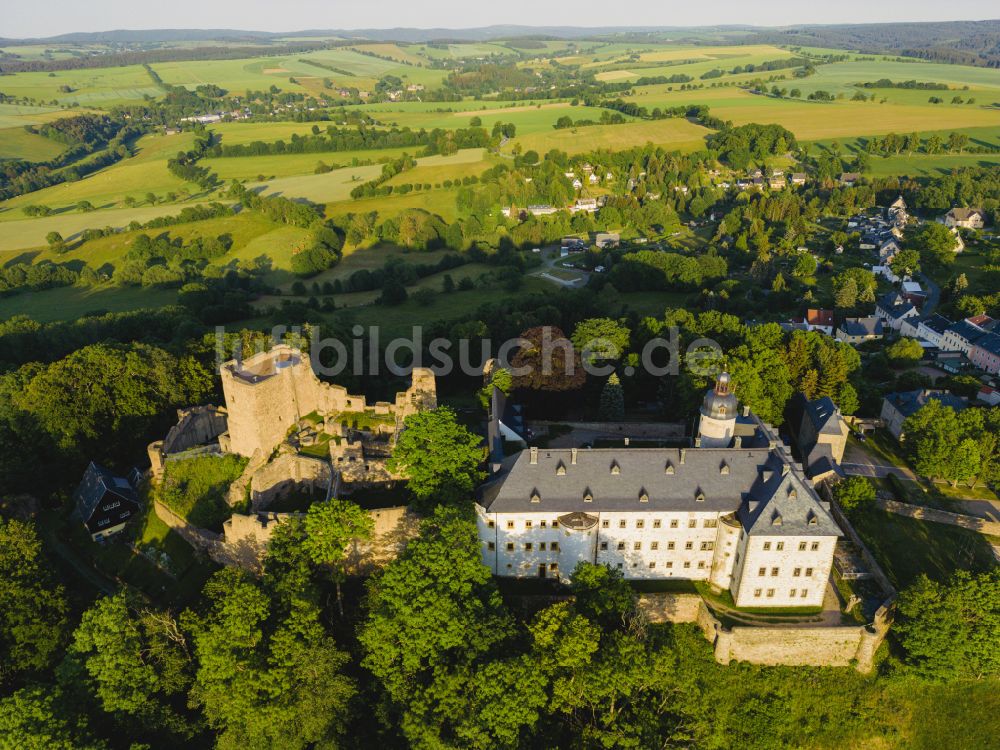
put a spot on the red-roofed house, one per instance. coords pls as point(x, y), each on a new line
point(820, 320)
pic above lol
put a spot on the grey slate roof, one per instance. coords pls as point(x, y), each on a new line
point(823, 414)
point(96, 484)
point(616, 479)
point(910, 402)
point(967, 331)
point(937, 323)
point(870, 326)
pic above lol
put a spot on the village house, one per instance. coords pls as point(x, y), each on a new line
point(607, 239)
point(893, 308)
point(819, 320)
point(585, 204)
point(847, 179)
point(105, 502)
point(798, 178)
point(964, 218)
point(859, 330)
point(961, 337)
point(931, 329)
point(896, 407)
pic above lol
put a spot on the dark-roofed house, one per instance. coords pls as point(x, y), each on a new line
point(892, 309)
point(859, 330)
point(820, 435)
point(105, 502)
point(932, 328)
point(964, 218)
point(896, 407)
point(961, 337)
point(506, 424)
point(742, 519)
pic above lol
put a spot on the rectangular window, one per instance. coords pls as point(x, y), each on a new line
point(814, 546)
point(758, 592)
point(640, 524)
point(657, 523)
point(542, 524)
point(770, 593)
point(805, 593)
point(711, 523)
point(762, 572)
point(510, 546)
point(637, 546)
point(708, 545)
point(774, 571)
point(527, 546)
point(652, 565)
point(555, 524)
point(809, 572)
point(670, 564)
point(687, 563)
point(671, 545)
point(791, 594)
point(490, 546)
point(604, 545)
point(654, 545)
point(780, 546)
point(797, 572)
point(554, 546)
point(701, 564)
point(553, 566)
point(673, 524)
point(621, 524)
point(688, 545)
point(767, 546)
point(802, 546)
point(621, 545)
point(541, 546)
point(492, 524)
point(527, 524)
point(692, 523)
point(605, 524)
point(510, 524)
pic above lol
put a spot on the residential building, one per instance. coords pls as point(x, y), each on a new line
point(541, 210)
point(585, 204)
point(932, 328)
point(798, 178)
point(859, 330)
point(985, 353)
point(819, 320)
point(892, 309)
point(896, 407)
point(105, 502)
point(964, 218)
point(989, 396)
point(961, 337)
point(607, 239)
point(847, 179)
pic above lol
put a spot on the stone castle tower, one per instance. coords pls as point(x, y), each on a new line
point(717, 423)
point(268, 393)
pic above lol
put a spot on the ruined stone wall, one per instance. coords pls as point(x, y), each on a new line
point(286, 474)
point(267, 394)
point(199, 425)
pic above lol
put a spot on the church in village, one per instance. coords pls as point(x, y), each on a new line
point(735, 511)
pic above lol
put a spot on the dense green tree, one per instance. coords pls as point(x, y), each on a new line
point(612, 408)
point(331, 528)
point(263, 679)
point(943, 444)
point(905, 351)
point(33, 607)
point(439, 456)
point(935, 243)
point(854, 494)
point(601, 339)
point(950, 630)
point(34, 719)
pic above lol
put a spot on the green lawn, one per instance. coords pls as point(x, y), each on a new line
point(17, 143)
point(72, 302)
point(907, 547)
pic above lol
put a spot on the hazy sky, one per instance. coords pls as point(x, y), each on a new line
point(49, 17)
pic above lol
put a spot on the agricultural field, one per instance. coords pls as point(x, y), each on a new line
point(96, 87)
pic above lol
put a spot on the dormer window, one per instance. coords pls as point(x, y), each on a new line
point(535, 497)
point(699, 496)
point(669, 469)
point(776, 519)
point(722, 411)
point(615, 468)
point(561, 469)
point(643, 496)
point(792, 493)
point(588, 496)
point(724, 468)
point(812, 518)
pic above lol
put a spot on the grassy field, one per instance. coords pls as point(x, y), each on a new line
point(99, 87)
point(70, 303)
point(288, 165)
point(17, 143)
point(676, 133)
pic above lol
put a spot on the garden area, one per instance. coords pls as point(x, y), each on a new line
point(195, 488)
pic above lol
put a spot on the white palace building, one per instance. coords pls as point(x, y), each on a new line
point(734, 511)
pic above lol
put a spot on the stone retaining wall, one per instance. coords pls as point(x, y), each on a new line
point(989, 528)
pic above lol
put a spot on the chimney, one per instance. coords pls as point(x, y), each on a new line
point(626, 442)
point(738, 441)
point(683, 454)
point(534, 455)
point(572, 456)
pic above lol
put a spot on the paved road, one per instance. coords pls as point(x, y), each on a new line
point(933, 295)
point(859, 462)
